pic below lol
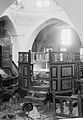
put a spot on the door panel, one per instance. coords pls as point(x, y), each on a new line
point(6, 56)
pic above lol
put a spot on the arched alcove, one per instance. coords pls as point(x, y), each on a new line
point(49, 34)
point(11, 33)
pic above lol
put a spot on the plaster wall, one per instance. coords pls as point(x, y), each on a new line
point(28, 22)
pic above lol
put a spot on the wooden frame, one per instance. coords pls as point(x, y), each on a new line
point(81, 73)
point(26, 57)
point(75, 69)
point(25, 82)
point(54, 72)
point(31, 69)
point(20, 57)
point(79, 67)
point(66, 84)
point(54, 57)
point(54, 84)
point(66, 71)
point(20, 69)
point(25, 70)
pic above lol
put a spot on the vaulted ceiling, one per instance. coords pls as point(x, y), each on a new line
point(4, 4)
point(73, 8)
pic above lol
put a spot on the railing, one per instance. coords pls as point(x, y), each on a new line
point(24, 57)
point(39, 56)
point(64, 107)
point(64, 57)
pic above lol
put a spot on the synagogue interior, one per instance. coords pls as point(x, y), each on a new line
point(41, 59)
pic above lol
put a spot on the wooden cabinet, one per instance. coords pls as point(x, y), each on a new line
point(25, 69)
point(64, 70)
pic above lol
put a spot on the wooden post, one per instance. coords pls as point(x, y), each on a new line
point(29, 62)
point(29, 57)
point(61, 106)
point(73, 85)
point(50, 68)
point(79, 104)
point(81, 85)
point(70, 107)
point(54, 106)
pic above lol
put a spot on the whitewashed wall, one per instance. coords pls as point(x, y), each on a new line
point(29, 21)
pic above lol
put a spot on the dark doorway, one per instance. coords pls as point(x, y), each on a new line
point(0, 56)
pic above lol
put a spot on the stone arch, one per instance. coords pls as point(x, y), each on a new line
point(52, 21)
point(11, 31)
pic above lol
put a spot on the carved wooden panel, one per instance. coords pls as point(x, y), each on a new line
point(54, 72)
point(25, 82)
point(6, 56)
point(66, 84)
point(66, 71)
point(53, 84)
point(26, 70)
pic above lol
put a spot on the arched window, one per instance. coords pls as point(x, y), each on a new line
point(19, 3)
point(65, 37)
point(43, 3)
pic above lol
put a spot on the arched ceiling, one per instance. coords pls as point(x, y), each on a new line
point(50, 37)
point(4, 4)
point(73, 8)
